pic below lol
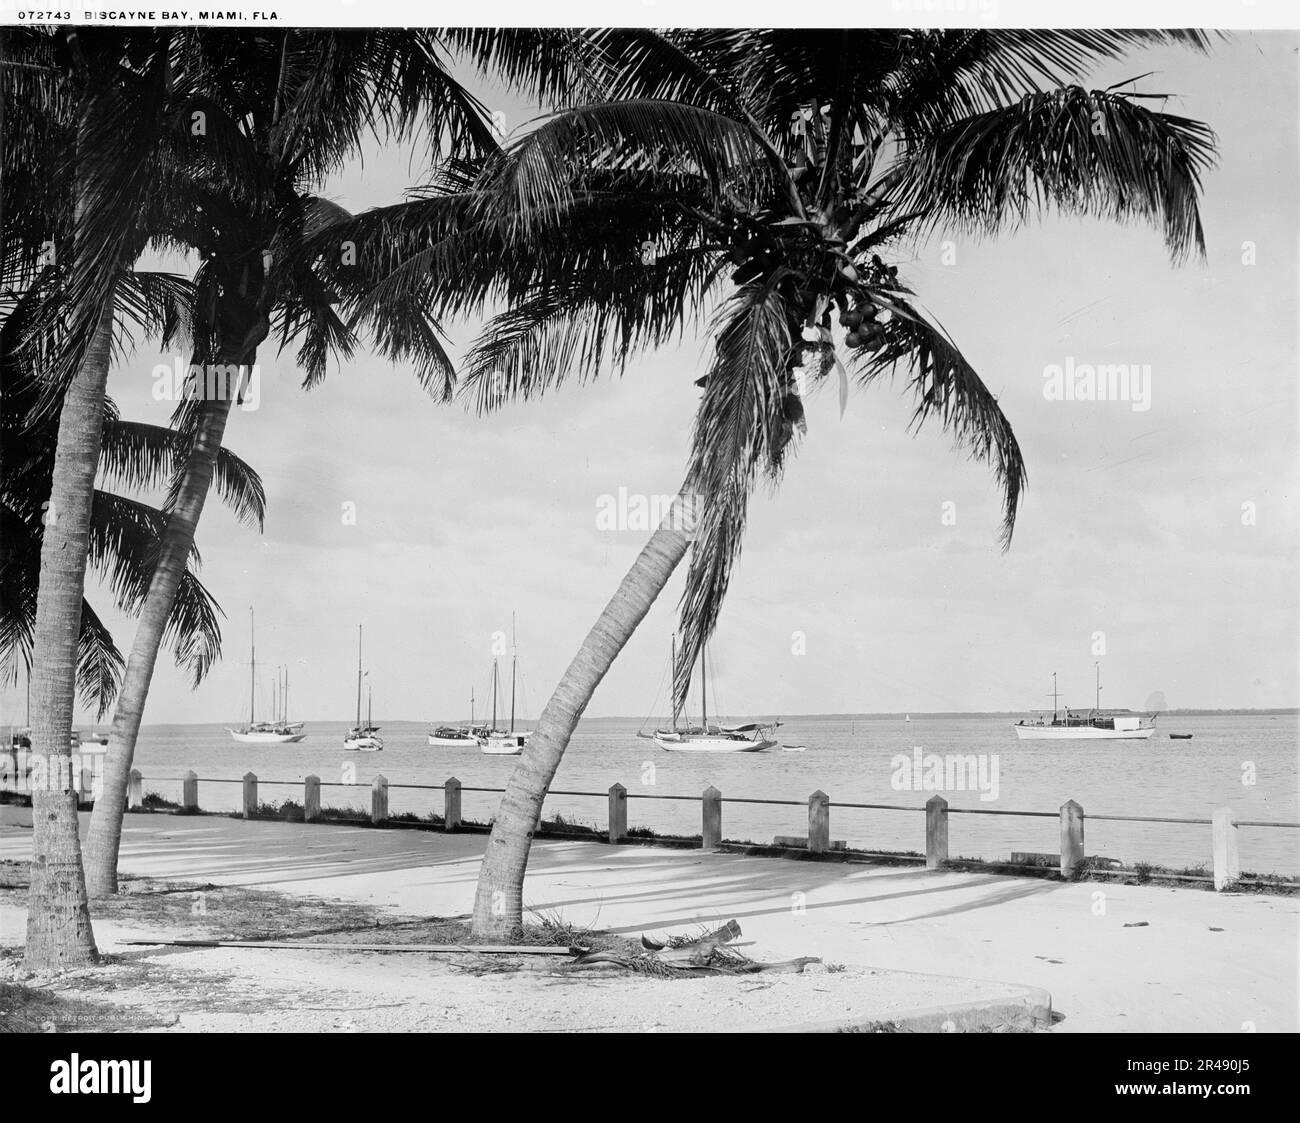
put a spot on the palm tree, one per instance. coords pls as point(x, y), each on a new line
point(124, 532)
point(757, 181)
point(283, 110)
point(94, 101)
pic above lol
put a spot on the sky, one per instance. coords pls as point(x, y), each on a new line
point(1159, 542)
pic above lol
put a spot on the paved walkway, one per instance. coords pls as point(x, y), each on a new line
point(1202, 962)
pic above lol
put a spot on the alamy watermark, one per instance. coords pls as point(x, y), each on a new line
point(241, 384)
point(28, 772)
point(630, 510)
point(954, 772)
point(1102, 382)
point(981, 11)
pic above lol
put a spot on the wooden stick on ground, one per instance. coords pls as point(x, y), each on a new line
point(449, 949)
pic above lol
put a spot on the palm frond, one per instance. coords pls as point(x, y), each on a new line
point(948, 389)
point(741, 428)
point(539, 174)
point(99, 663)
point(1096, 153)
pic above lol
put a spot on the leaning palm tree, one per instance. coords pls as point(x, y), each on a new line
point(283, 110)
point(758, 182)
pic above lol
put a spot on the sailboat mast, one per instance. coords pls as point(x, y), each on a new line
point(1098, 705)
point(358, 676)
point(704, 693)
point(495, 676)
point(1053, 697)
point(284, 697)
point(471, 707)
point(672, 670)
point(514, 658)
point(252, 668)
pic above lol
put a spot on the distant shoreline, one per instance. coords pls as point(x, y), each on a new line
point(899, 715)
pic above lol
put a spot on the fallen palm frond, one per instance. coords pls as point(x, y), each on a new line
point(683, 956)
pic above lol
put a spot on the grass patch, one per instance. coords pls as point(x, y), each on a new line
point(344, 815)
point(290, 811)
point(30, 1010)
point(558, 824)
point(411, 818)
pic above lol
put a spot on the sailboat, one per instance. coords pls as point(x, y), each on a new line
point(459, 736)
point(22, 738)
point(752, 737)
point(504, 742)
point(1097, 725)
point(278, 731)
point(363, 738)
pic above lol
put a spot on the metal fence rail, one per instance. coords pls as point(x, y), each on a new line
point(1224, 824)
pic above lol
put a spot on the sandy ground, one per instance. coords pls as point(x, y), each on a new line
point(261, 991)
point(1201, 961)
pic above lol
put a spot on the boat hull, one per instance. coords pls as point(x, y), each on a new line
point(453, 742)
point(363, 744)
point(1080, 733)
point(266, 738)
point(510, 745)
point(686, 743)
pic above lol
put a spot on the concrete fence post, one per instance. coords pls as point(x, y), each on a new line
point(936, 832)
point(311, 800)
point(190, 791)
point(1071, 837)
point(1227, 864)
point(379, 800)
point(134, 789)
point(250, 795)
point(451, 804)
point(819, 823)
point(712, 812)
point(617, 813)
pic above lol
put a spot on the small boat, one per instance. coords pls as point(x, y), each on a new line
point(1180, 736)
point(1095, 725)
point(277, 732)
point(794, 748)
point(751, 737)
point(363, 738)
point(458, 736)
point(503, 742)
point(88, 744)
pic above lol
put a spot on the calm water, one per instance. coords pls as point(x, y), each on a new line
point(850, 761)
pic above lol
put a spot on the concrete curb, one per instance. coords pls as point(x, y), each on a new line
point(1022, 1009)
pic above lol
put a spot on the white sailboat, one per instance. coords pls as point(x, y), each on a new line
point(1096, 725)
point(458, 736)
point(277, 732)
point(751, 737)
point(504, 742)
point(363, 738)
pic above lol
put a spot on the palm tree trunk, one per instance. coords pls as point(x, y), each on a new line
point(498, 902)
point(105, 834)
point(59, 934)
